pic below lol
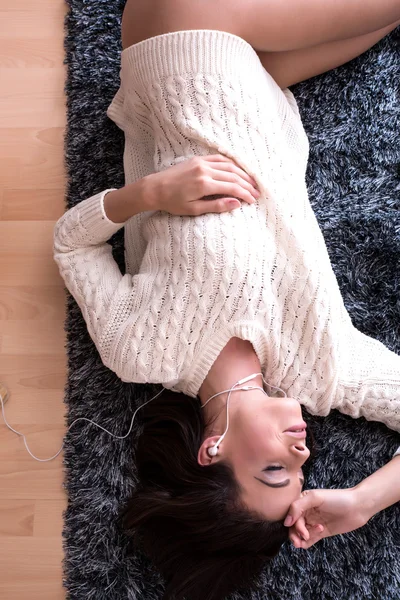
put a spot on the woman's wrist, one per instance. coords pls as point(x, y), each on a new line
point(130, 200)
point(379, 490)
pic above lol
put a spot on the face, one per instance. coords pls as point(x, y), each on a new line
point(266, 459)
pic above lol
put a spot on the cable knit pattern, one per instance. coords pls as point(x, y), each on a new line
point(261, 273)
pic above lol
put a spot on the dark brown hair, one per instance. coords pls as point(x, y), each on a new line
point(188, 518)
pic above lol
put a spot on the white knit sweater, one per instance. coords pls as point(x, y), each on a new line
point(260, 273)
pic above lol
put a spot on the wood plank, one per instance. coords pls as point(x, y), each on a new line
point(32, 204)
point(32, 297)
point(26, 254)
point(48, 518)
point(31, 571)
point(24, 478)
point(28, 302)
point(30, 5)
point(33, 99)
point(29, 270)
point(28, 53)
point(36, 388)
point(48, 6)
point(22, 238)
point(17, 517)
point(30, 158)
point(22, 20)
point(32, 338)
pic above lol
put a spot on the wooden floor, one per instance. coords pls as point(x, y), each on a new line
point(32, 355)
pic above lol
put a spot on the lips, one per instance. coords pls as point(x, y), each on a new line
point(297, 434)
point(296, 427)
point(297, 431)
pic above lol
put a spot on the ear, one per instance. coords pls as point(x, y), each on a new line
point(202, 457)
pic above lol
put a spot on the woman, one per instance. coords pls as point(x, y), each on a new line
point(217, 290)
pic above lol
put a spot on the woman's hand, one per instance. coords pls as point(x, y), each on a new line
point(180, 190)
point(322, 513)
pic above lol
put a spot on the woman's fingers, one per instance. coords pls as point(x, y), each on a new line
point(216, 158)
point(236, 177)
point(233, 168)
point(301, 529)
point(217, 175)
point(299, 543)
point(296, 540)
point(201, 207)
point(222, 163)
point(309, 499)
point(315, 535)
point(211, 187)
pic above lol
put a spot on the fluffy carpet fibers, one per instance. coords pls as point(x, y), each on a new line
point(351, 116)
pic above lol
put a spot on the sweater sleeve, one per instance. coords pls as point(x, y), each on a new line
point(86, 264)
point(369, 381)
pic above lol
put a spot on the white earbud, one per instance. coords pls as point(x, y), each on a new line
point(213, 451)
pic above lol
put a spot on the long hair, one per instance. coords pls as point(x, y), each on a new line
point(189, 518)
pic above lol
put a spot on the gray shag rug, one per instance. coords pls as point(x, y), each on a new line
point(351, 116)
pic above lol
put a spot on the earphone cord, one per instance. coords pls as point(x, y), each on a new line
point(236, 389)
point(121, 437)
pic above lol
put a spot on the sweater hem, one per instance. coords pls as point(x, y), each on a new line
point(184, 32)
point(190, 51)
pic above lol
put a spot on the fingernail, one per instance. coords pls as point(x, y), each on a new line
point(288, 521)
point(233, 204)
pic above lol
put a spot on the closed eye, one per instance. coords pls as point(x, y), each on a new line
point(282, 483)
point(278, 485)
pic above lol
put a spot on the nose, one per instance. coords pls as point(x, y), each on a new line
point(300, 450)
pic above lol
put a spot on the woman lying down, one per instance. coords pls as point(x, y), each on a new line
point(229, 300)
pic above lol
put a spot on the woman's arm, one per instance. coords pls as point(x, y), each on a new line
point(85, 258)
point(293, 66)
point(368, 379)
point(379, 490)
point(179, 190)
point(324, 513)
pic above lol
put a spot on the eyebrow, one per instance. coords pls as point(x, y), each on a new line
point(278, 485)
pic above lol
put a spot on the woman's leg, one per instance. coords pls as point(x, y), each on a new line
point(288, 68)
point(268, 25)
point(277, 25)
